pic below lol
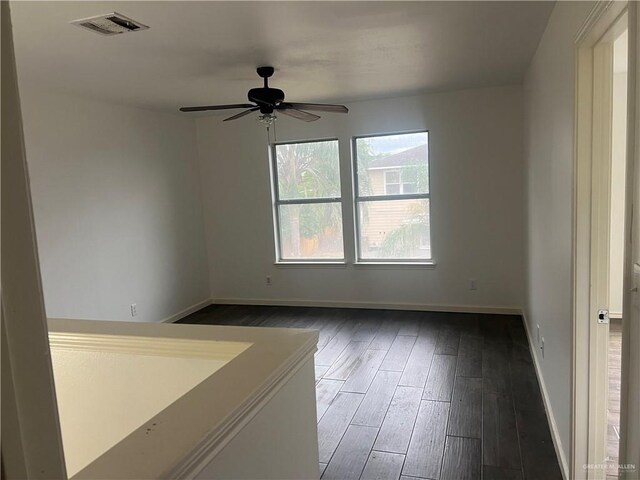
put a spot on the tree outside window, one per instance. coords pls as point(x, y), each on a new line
point(308, 205)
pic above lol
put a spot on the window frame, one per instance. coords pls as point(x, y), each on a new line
point(277, 202)
point(358, 199)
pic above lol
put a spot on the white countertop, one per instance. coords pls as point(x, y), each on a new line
point(136, 400)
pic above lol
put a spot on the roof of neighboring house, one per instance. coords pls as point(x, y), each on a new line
point(412, 156)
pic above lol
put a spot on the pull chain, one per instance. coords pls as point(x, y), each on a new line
point(275, 129)
point(268, 121)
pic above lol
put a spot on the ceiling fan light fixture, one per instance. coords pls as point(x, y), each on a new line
point(267, 119)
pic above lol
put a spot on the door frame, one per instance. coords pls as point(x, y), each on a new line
point(591, 216)
point(630, 391)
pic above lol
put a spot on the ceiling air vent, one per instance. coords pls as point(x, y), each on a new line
point(110, 24)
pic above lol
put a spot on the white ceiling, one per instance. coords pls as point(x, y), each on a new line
point(206, 52)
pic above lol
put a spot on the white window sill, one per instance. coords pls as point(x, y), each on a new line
point(396, 265)
point(342, 264)
point(311, 264)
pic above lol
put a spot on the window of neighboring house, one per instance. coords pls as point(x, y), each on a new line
point(392, 197)
point(308, 209)
point(391, 182)
point(394, 182)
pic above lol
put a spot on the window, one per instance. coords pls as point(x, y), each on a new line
point(395, 182)
point(392, 197)
point(392, 182)
point(308, 209)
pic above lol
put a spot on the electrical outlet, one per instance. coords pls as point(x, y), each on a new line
point(538, 334)
point(472, 284)
point(542, 346)
point(269, 280)
point(134, 309)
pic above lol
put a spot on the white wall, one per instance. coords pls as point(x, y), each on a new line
point(117, 208)
point(30, 431)
point(618, 163)
point(549, 136)
point(477, 204)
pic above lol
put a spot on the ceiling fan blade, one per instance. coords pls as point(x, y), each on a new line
point(299, 114)
point(318, 107)
point(216, 107)
point(242, 114)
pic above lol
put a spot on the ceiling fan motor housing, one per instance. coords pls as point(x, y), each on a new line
point(266, 98)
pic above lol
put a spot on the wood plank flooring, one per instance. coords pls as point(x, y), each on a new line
point(418, 395)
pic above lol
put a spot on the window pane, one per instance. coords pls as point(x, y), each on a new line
point(409, 187)
point(308, 170)
point(392, 177)
point(407, 154)
point(395, 229)
point(311, 231)
point(392, 188)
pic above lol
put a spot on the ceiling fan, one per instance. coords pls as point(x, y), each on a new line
point(270, 100)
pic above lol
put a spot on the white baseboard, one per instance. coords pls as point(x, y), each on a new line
point(555, 435)
point(187, 311)
point(372, 305)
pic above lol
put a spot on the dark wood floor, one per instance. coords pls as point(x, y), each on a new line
point(418, 395)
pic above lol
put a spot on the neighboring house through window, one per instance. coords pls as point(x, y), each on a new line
point(393, 198)
point(394, 182)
